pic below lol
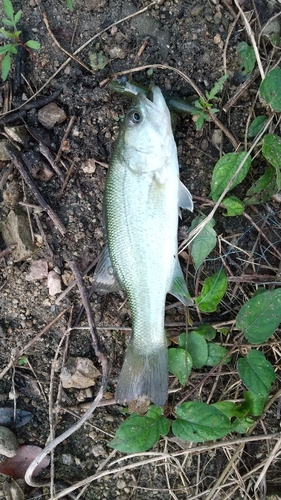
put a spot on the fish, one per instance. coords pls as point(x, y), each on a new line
point(142, 198)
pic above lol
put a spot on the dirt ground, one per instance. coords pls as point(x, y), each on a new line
point(200, 39)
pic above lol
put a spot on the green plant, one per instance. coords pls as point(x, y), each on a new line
point(198, 421)
point(205, 106)
point(237, 165)
point(13, 36)
point(69, 5)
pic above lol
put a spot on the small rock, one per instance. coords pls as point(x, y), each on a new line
point(8, 442)
point(67, 459)
point(18, 133)
point(217, 138)
point(11, 194)
point(54, 283)
point(84, 394)
point(4, 145)
point(89, 166)
point(78, 373)
point(98, 450)
point(121, 484)
point(50, 115)
point(38, 270)
point(16, 231)
point(117, 53)
point(205, 145)
point(67, 278)
point(277, 197)
point(196, 11)
point(217, 39)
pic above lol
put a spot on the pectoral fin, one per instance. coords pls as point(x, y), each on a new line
point(185, 198)
point(104, 279)
point(179, 288)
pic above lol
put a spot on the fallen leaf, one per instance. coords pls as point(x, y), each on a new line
point(17, 465)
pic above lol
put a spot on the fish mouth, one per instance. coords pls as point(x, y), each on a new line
point(157, 101)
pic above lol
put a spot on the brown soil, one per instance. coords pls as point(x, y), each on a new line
point(190, 36)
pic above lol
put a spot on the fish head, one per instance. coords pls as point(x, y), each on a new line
point(146, 137)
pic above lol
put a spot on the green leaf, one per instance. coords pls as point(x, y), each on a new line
point(256, 126)
point(233, 205)
point(215, 354)
point(230, 409)
point(139, 433)
point(204, 242)
point(196, 346)
point(18, 16)
point(224, 171)
point(242, 422)
point(6, 66)
point(199, 422)
point(180, 364)
point(263, 188)
point(7, 33)
point(271, 149)
point(200, 120)
point(248, 58)
point(242, 425)
point(4, 49)
point(208, 331)
point(254, 404)
point(270, 89)
point(7, 22)
point(69, 5)
point(256, 373)
point(216, 88)
point(98, 60)
point(13, 49)
point(213, 291)
point(260, 316)
point(32, 44)
point(8, 9)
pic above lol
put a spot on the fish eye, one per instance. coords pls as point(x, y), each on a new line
point(134, 117)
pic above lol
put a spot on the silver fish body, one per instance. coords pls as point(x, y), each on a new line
point(141, 207)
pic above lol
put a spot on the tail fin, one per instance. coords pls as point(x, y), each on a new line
point(144, 374)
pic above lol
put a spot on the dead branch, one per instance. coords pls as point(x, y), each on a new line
point(35, 191)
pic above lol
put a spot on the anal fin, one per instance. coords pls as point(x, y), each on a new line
point(185, 198)
point(104, 279)
point(179, 288)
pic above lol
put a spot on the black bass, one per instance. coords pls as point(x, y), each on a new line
point(142, 197)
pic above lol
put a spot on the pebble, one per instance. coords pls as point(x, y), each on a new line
point(217, 137)
point(67, 459)
point(8, 442)
point(38, 270)
point(54, 283)
point(121, 484)
point(98, 450)
point(50, 115)
point(89, 166)
point(117, 53)
point(196, 11)
point(79, 373)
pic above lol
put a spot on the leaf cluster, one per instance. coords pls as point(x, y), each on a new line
point(204, 107)
point(13, 36)
point(197, 421)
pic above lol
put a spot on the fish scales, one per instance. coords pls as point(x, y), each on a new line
point(141, 202)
